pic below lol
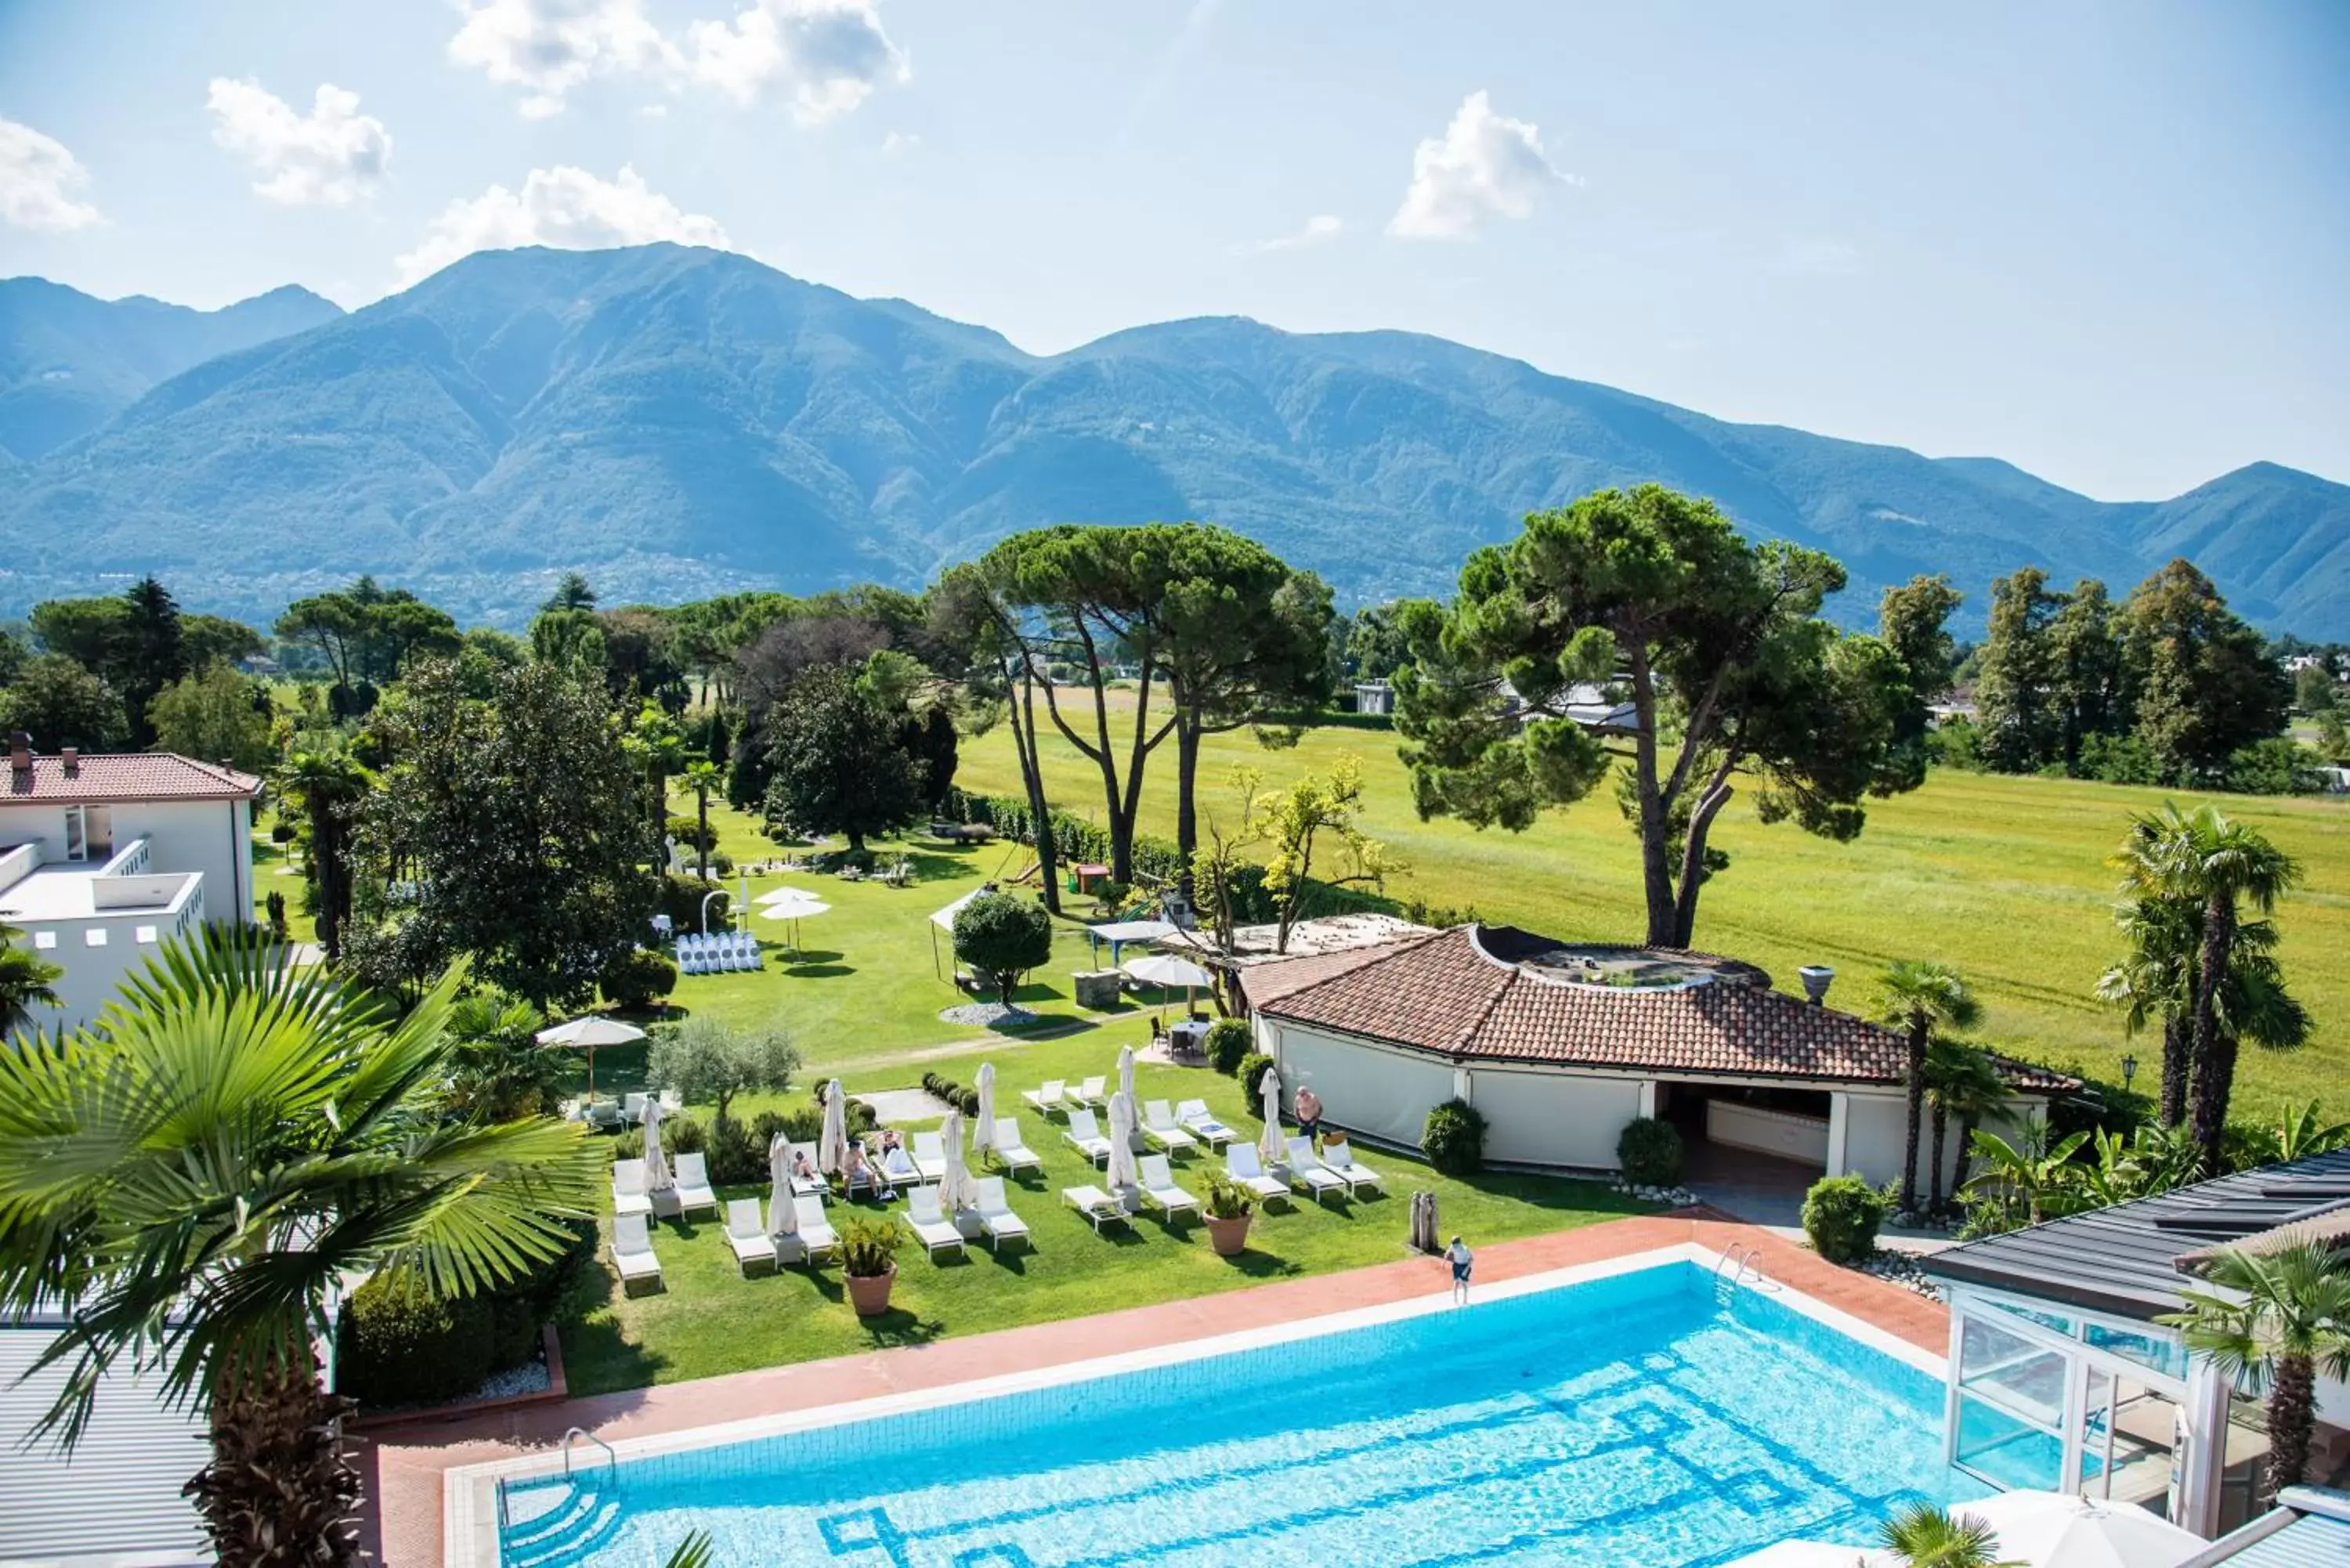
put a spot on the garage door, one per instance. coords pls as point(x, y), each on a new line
point(1380, 1094)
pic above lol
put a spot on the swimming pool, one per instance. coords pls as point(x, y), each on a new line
point(1647, 1417)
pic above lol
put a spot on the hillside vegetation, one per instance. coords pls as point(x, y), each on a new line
point(689, 422)
point(2004, 878)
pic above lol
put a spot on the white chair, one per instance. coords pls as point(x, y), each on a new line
point(817, 1234)
point(995, 1215)
point(1012, 1149)
point(1304, 1165)
point(1085, 1134)
point(1340, 1157)
point(1094, 1092)
point(632, 1251)
point(1052, 1097)
point(1158, 1188)
point(1098, 1206)
point(930, 1154)
point(808, 1186)
point(693, 1193)
point(1159, 1125)
point(1243, 1166)
point(900, 1168)
point(628, 1195)
point(747, 1234)
point(632, 1109)
point(931, 1227)
point(1192, 1116)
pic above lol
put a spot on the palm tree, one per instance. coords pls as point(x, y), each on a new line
point(1963, 1081)
point(327, 784)
point(701, 777)
point(1924, 1536)
point(188, 1179)
point(2287, 1316)
point(1920, 999)
point(2200, 858)
point(25, 978)
point(2155, 980)
point(499, 1071)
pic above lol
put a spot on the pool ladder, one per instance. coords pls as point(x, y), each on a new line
point(1740, 1260)
point(611, 1460)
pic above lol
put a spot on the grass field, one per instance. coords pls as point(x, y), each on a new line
point(2004, 878)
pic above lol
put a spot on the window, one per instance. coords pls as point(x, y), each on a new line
point(95, 936)
point(146, 934)
point(45, 940)
point(97, 832)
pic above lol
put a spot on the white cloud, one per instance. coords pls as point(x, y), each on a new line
point(549, 46)
point(1486, 165)
point(565, 208)
point(823, 57)
point(329, 156)
point(1319, 229)
point(41, 183)
point(828, 55)
point(899, 143)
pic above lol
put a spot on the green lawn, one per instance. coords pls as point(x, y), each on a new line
point(711, 1320)
point(2004, 878)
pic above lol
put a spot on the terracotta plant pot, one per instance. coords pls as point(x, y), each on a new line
point(870, 1293)
point(1228, 1237)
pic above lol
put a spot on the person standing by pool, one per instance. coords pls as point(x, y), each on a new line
point(1309, 1117)
point(1460, 1258)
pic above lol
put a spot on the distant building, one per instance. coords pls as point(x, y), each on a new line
point(1374, 697)
point(103, 858)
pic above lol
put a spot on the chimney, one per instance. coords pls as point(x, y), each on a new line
point(71, 757)
point(1816, 978)
point(20, 756)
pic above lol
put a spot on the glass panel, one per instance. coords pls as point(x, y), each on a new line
point(2056, 1321)
point(2160, 1352)
point(2008, 1452)
point(2013, 1371)
point(2096, 1433)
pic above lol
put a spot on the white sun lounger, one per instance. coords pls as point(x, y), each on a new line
point(632, 1251)
point(1192, 1116)
point(1340, 1157)
point(930, 1154)
point(1304, 1165)
point(931, 1227)
point(1012, 1149)
point(693, 1193)
point(1053, 1097)
point(900, 1168)
point(1243, 1166)
point(1094, 1092)
point(1085, 1134)
point(1096, 1205)
point(1159, 1125)
point(996, 1216)
point(815, 1230)
point(1158, 1188)
point(747, 1234)
point(808, 1186)
point(629, 1196)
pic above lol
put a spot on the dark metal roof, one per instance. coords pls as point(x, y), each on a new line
point(2126, 1260)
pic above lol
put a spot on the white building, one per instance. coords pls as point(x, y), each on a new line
point(102, 858)
point(1560, 1045)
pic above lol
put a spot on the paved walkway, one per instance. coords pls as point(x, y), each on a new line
point(404, 1465)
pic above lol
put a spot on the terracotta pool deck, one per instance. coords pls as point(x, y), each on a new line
point(405, 1464)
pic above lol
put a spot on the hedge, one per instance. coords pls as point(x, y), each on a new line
point(395, 1344)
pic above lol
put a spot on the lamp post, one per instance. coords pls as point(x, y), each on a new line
point(2130, 1070)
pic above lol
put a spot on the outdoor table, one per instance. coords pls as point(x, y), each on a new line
point(1188, 1038)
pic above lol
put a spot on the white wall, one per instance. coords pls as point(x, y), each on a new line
point(1735, 1124)
point(1878, 1124)
point(93, 973)
point(1544, 1117)
point(214, 836)
point(1379, 1093)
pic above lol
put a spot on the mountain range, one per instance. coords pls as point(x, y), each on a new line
point(676, 421)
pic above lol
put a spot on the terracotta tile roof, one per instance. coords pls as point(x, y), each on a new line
point(1470, 993)
point(125, 777)
point(1265, 983)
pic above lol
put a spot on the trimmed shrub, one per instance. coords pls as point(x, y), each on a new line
point(638, 977)
point(397, 1345)
point(967, 1100)
point(1649, 1151)
point(1229, 1040)
point(1841, 1214)
point(734, 1158)
point(1252, 1069)
point(629, 1143)
point(765, 1125)
point(1453, 1138)
point(682, 1134)
point(687, 831)
point(680, 900)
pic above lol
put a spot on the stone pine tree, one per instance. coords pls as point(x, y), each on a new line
point(1715, 650)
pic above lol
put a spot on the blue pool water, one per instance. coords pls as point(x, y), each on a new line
point(1621, 1422)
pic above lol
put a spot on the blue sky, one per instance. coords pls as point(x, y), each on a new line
point(2107, 242)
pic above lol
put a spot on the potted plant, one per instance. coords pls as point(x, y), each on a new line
point(1228, 1209)
point(869, 1257)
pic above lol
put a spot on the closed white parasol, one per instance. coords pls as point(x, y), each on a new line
point(832, 1147)
point(657, 1175)
point(1270, 1144)
point(1124, 1176)
point(982, 1127)
point(957, 1191)
point(783, 1207)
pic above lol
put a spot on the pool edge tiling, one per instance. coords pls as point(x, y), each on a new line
point(471, 1514)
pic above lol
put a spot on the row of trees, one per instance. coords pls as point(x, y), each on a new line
point(132, 670)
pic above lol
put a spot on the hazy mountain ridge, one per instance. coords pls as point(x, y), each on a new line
point(680, 421)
